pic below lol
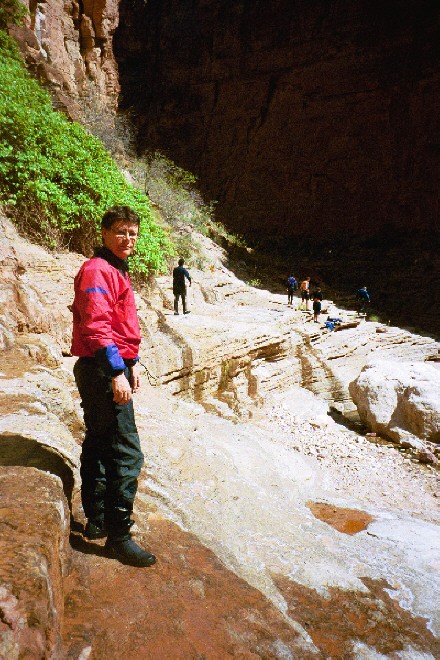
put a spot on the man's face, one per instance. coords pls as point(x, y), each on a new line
point(120, 238)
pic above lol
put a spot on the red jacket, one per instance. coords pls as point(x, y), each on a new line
point(104, 312)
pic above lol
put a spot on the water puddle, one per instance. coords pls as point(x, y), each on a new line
point(347, 521)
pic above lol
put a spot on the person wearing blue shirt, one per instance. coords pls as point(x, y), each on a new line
point(292, 286)
point(363, 298)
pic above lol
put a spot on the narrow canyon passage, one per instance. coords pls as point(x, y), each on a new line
point(314, 126)
point(279, 534)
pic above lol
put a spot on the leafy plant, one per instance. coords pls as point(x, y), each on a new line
point(172, 190)
point(58, 176)
point(12, 12)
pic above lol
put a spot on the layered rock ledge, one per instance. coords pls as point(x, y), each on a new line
point(280, 531)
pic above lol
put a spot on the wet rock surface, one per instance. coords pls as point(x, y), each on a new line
point(373, 618)
point(189, 605)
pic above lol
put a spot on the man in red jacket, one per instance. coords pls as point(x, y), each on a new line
point(106, 338)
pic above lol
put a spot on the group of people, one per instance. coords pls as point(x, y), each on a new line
point(362, 296)
point(306, 296)
point(106, 339)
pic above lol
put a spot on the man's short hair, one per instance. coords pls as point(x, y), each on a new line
point(119, 213)
point(181, 262)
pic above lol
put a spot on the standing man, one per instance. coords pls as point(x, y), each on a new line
point(363, 298)
point(305, 292)
point(106, 338)
point(292, 286)
point(179, 286)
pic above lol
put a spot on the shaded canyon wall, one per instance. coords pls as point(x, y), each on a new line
point(301, 118)
point(315, 125)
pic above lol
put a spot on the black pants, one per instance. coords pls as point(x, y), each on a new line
point(181, 293)
point(111, 457)
point(290, 293)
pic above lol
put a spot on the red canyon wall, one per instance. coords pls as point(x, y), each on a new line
point(68, 44)
point(306, 117)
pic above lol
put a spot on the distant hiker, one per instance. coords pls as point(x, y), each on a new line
point(179, 286)
point(317, 293)
point(305, 293)
point(292, 286)
point(363, 298)
point(316, 309)
point(106, 338)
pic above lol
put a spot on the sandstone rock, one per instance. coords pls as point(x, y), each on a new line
point(33, 304)
point(34, 550)
point(427, 457)
point(411, 443)
point(399, 399)
point(69, 44)
point(238, 487)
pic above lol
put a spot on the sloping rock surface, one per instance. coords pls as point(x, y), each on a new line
point(249, 495)
point(34, 551)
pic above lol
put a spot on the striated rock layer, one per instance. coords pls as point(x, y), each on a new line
point(279, 532)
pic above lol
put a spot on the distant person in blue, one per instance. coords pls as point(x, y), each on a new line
point(363, 298)
point(179, 286)
point(292, 286)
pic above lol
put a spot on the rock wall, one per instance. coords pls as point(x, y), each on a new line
point(33, 563)
point(69, 47)
point(301, 118)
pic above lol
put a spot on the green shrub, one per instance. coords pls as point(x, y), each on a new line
point(172, 190)
point(58, 174)
point(11, 12)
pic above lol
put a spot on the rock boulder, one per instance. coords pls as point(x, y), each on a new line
point(399, 399)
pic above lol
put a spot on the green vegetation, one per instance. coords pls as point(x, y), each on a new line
point(57, 180)
point(256, 282)
point(173, 193)
point(11, 12)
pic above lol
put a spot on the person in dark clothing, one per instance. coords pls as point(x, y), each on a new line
point(317, 294)
point(316, 309)
point(363, 298)
point(292, 286)
point(106, 338)
point(180, 274)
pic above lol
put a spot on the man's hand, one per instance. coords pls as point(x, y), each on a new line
point(121, 389)
point(135, 377)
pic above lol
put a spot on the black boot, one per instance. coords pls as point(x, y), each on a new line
point(128, 552)
point(119, 543)
point(95, 529)
point(92, 495)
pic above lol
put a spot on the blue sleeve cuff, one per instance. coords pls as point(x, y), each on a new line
point(110, 360)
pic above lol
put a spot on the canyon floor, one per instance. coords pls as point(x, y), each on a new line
point(282, 530)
